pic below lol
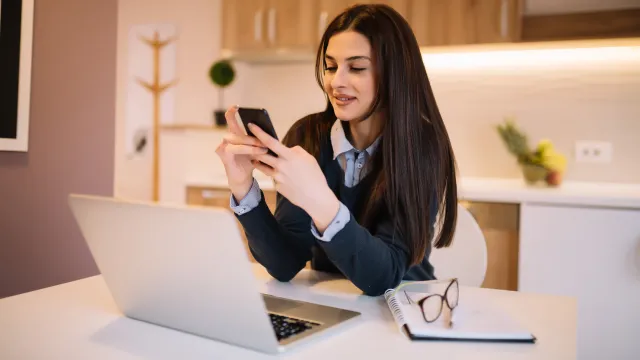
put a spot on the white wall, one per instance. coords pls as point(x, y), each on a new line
point(563, 95)
point(198, 44)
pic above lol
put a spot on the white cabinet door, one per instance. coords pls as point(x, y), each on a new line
point(592, 254)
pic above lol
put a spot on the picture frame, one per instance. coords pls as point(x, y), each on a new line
point(16, 41)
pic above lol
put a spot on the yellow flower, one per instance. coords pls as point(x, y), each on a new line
point(544, 146)
point(554, 161)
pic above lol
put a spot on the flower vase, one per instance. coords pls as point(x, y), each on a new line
point(533, 173)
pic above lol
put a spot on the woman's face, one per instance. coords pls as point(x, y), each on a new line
point(349, 76)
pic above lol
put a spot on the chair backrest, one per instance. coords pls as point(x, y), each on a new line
point(466, 258)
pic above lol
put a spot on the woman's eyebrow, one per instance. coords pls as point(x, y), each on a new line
point(351, 58)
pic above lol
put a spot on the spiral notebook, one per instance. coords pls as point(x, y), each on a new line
point(474, 319)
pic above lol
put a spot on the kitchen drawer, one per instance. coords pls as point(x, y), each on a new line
point(219, 196)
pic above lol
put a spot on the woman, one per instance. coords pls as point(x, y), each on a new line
point(360, 184)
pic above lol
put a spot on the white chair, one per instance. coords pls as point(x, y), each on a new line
point(466, 257)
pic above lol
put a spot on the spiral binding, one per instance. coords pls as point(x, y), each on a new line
point(394, 306)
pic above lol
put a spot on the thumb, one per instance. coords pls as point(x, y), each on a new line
point(230, 116)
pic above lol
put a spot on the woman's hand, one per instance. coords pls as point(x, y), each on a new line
point(235, 151)
point(298, 177)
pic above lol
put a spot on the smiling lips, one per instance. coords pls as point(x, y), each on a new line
point(343, 100)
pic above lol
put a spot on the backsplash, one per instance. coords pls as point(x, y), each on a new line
point(563, 95)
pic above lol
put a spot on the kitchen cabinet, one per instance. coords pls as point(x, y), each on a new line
point(592, 254)
point(261, 29)
point(401, 6)
point(329, 9)
point(292, 26)
point(251, 26)
point(548, 7)
point(462, 22)
point(243, 25)
point(263, 25)
point(499, 224)
point(497, 21)
point(550, 20)
point(219, 196)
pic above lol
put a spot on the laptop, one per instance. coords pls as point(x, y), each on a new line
point(186, 268)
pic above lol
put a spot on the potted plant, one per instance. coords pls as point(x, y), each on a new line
point(541, 163)
point(221, 74)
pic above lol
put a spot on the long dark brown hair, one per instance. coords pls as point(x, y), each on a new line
point(414, 166)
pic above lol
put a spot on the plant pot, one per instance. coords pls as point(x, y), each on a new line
point(219, 118)
point(534, 173)
point(554, 178)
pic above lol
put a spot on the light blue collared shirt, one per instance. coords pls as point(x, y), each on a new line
point(354, 163)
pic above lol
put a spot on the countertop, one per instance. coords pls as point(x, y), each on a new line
point(515, 191)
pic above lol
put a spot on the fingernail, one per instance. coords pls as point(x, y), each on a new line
point(236, 106)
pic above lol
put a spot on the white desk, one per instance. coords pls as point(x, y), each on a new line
point(79, 320)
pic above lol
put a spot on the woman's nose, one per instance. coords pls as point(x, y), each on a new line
point(338, 80)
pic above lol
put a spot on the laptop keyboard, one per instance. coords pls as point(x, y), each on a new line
point(285, 326)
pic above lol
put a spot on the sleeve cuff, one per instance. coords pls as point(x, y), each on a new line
point(249, 202)
point(339, 221)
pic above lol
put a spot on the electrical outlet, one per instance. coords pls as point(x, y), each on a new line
point(594, 152)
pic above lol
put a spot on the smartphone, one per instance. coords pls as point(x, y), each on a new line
point(260, 118)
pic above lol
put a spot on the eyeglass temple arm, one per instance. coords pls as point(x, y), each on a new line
point(419, 284)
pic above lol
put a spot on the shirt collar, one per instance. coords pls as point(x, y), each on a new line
point(341, 144)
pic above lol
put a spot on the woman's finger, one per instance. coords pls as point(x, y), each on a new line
point(230, 116)
point(245, 149)
point(268, 159)
point(269, 141)
point(235, 139)
point(267, 170)
point(278, 177)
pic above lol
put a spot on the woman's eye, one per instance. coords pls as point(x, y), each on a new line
point(335, 68)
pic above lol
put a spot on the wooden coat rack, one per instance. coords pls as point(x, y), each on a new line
point(156, 90)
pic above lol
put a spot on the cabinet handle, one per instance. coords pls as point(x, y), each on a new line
point(272, 25)
point(322, 23)
point(214, 194)
point(208, 194)
point(504, 19)
point(257, 26)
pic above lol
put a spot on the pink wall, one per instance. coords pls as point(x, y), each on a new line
point(71, 145)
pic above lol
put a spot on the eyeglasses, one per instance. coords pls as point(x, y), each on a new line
point(431, 305)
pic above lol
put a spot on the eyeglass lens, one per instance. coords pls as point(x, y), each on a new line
point(431, 307)
point(432, 304)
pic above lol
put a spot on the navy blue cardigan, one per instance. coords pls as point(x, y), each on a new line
point(374, 259)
